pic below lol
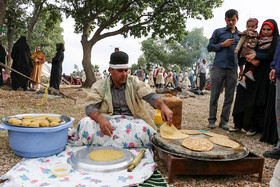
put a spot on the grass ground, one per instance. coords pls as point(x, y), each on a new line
point(195, 114)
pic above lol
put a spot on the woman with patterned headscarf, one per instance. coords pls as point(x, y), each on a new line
point(38, 59)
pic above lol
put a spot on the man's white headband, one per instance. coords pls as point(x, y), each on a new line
point(118, 66)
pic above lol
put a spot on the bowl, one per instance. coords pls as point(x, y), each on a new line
point(61, 170)
point(40, 141)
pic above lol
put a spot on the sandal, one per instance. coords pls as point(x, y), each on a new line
point(243, 84)
point(251, 77)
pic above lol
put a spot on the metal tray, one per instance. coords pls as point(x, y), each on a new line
point(80, 161)
point(218, 153)
point(64, 119)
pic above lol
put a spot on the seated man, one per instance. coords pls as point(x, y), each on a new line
point(116, 112)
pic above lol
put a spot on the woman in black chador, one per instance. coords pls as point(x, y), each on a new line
point(22, 63)
point(56, 70)
point(251, 104)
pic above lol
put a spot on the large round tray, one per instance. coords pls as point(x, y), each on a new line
point(218, 153)
point(80, 161)
point(64, 119)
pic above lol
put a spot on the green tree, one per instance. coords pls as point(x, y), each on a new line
point(47, 35)
point(142, 62)
point(99, 19)
point(38, 6)
point(15, 23)
point(76, 72)
point(44, 25)
point(3, 4)
point(95, 68)
point(195, 44)
point(154, 50)
point(174, 55)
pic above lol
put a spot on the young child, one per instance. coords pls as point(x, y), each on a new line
point(248, 41)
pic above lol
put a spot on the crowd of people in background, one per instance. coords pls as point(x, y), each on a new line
point(159, 77)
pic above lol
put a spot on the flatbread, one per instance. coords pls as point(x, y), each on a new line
point(215, 135)
point(172, 132)
point(106, 155)
point(190, 132)
point(197, 144)
point(224, 142)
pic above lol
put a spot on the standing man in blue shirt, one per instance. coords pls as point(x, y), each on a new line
point(223, 42)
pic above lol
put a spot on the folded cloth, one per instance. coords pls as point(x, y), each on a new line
point(37, 172)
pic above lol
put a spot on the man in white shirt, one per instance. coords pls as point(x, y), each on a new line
point(202, 74)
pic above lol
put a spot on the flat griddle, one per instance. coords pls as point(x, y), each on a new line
point(218, 153)
point(80, 161)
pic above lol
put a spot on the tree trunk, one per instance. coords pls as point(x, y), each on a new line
point(90, 77)
point(3, 4)
point(36, 13)
point(10, 36)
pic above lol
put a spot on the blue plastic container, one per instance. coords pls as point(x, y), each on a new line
point(37, 142)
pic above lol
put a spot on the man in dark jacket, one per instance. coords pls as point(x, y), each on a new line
point(223, 42)
point(275, 76)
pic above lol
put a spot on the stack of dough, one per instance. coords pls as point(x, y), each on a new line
point(54, 121)
point(14, 121)
point(40, 121)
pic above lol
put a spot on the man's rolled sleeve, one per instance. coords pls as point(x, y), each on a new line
point(151, 98)
point(91, 108)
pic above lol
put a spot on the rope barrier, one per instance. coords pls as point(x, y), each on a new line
point(45, 98)
point(51, 89)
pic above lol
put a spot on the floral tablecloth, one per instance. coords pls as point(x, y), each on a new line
point(37, 172)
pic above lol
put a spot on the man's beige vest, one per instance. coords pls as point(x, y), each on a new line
point(135, 90)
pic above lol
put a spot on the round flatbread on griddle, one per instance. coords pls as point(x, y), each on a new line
point(191, 132)
point(171, 132)
point(215, 135)
point(224, 142)
point(197, 144)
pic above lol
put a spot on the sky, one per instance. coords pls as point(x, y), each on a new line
point(102, 50)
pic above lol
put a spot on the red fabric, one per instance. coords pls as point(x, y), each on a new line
point(266, 23)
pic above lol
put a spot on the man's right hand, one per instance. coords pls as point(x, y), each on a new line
point(106, 127)
point(272, 75)
point(227, 43)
